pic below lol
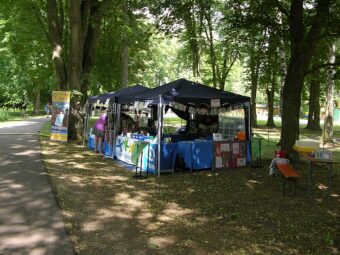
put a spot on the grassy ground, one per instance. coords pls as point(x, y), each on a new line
point(8, 115)
point(236, 211)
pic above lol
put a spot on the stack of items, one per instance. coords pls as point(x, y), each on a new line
point(305, 146)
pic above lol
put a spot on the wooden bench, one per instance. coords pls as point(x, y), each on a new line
point(288, 174)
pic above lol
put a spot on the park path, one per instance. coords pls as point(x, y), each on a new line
point(30, 222)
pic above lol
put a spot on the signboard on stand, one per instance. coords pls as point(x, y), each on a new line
point(230, 154)
point(60, 115)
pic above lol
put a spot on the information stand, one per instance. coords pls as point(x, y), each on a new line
point(229, 154)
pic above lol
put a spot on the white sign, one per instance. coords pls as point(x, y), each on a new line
point(217, 136)
point(215, 103)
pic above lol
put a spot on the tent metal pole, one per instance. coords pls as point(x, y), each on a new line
point(85, 122)
point(113, 135)
point(159, 138)
point(116, 113)
point(250, 132)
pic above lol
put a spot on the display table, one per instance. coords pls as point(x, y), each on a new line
point(196, 154)
point(107, 151)
point(127, 149)
point(168, 157)
point(317, 164)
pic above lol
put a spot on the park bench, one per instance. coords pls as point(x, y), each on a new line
point(288, 174)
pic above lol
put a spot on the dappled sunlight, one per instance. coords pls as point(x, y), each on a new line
point(162, 241)
point(30, 153)
point(252, 183)
point(173, 211)
point(78, 180)
point(322, 186)
point(335, 195)
point(112, 178)
point(201, 213)
point(12, 124)
point(78, 156)
point(56, 161)
point(17, 146)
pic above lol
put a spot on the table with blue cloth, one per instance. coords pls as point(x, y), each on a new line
point(107, 150)
point(168, 157)
point(196, 154)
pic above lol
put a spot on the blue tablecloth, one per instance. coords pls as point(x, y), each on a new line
point(196, 154)
point(168, 156)
point(106, 150)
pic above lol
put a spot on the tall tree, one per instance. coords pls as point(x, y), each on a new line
point(328, 128)
point(84, 22)
point(314, 96)
point(125, 46)
point(303, 41)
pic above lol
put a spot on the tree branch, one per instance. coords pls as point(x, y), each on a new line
point(39, 18)
point(281, 8)
point(335, 64)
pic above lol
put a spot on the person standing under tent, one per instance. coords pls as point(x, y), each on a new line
point(99, 131)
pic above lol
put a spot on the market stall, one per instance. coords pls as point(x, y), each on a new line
point(108, 100)
point(202, 108)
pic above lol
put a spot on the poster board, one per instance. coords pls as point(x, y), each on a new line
point(60, 109)
point(229, 154)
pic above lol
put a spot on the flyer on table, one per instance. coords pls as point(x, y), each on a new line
point(60, 115)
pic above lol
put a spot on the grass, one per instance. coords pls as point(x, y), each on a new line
point(236, 211)
point(12, 115)
point(45, 129)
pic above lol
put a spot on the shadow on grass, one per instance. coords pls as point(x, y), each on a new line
point(237, 211)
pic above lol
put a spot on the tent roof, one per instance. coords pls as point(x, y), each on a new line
point(136, 89)
point(113, 96)
point(186, 92)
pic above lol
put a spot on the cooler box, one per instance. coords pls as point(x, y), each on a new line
point(305, 146)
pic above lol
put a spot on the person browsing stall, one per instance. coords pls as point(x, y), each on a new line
point(99, 131)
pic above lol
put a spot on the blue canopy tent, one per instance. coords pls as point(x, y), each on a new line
point(189, 93)
point(100, 99)
point(111, 98)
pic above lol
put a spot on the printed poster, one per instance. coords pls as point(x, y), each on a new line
point(60, 109)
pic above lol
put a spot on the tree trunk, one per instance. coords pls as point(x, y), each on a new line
point(283, 73)
point(89, 49)
point(190, 24)
point(55, 38)
point(226, 69)
point(125, 48)
point(254, 70)
point(328, 129)
point(36, 105)
point(270, 98)
point(210, 38)
point(314, 97)
point(75, 67)
point(302, 50)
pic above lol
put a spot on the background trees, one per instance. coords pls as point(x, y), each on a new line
point(272, 50)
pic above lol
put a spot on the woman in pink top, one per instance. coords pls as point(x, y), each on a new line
point(99, 130)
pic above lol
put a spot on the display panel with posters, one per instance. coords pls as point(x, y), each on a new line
point(230, 154)
point(60, 115)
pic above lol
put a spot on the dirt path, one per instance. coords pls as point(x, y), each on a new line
point(30, 222)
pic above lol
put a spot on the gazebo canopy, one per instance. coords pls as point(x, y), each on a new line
point(113, 96)
point(185, 92)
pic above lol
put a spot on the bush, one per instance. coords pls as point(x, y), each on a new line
point(4, 115)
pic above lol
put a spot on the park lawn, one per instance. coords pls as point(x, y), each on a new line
point(14, 115)
point(235, 211)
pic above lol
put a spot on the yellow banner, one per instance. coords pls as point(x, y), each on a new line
point(60, 115)
point(59, 137)
point(61, 96)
